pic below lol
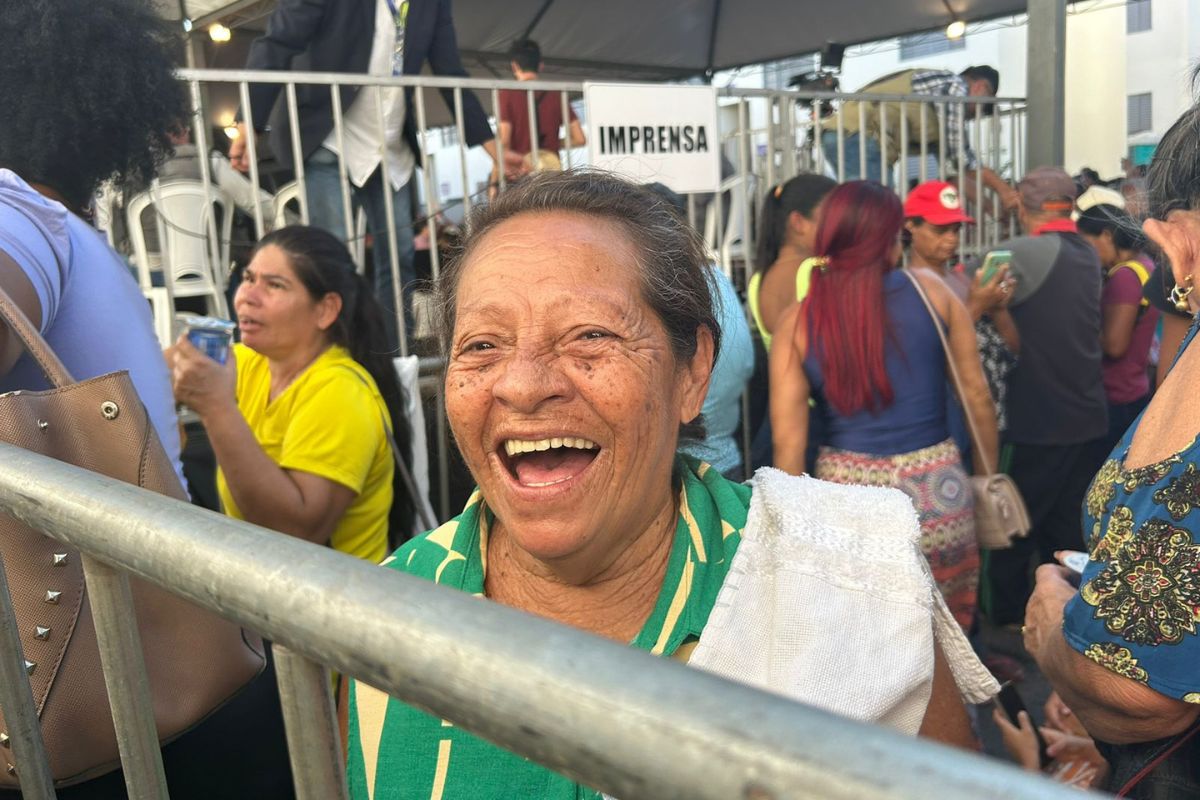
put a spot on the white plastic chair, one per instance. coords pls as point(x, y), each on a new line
point(193, 245)
point(732, 244)
point(163, 314)
point(145, 260)
point(286, 211)
point(408, 371)
point(106, 208)
point(281, 215)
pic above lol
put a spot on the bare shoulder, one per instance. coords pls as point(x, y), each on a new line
point(941, 295)
point(790, 317)
point(789, 328)
point(930, 280)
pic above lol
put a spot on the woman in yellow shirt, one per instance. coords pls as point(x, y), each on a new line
point(300, 414)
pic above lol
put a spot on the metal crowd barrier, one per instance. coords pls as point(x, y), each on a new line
point(775, 135)
point(768, 136)
point(627, 723)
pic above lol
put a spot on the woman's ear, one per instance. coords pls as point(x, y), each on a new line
point(695, 375)
point(797, 223)
point(328, 309)
point(1179, 238)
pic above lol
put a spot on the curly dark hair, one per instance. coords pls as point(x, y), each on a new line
point(87, 93)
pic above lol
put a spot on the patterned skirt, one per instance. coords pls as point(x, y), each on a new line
point(935, 480)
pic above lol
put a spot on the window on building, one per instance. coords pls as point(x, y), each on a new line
point(922, 45)
point(1137, 16)
point(1139, 113)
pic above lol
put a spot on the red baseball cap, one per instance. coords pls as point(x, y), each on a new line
point(936, 202)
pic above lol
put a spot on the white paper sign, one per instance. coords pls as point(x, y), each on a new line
point(652, 133)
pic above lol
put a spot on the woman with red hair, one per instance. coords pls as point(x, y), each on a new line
point(863, 345)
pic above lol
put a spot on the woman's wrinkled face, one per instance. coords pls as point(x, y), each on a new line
point(934, 244)
point(561, 388)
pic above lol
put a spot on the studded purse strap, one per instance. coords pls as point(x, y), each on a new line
point(18, 323)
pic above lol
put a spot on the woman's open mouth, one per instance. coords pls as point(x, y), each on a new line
point(537, 463)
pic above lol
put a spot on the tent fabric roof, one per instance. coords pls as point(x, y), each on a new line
point(661, 39)
point(677, 39)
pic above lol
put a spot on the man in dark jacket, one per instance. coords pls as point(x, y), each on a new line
point(1056, 405)
point(372, 37)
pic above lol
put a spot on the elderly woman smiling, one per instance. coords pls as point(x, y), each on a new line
point(580, 334)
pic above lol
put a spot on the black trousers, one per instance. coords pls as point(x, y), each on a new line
point(238, 753)
point(1053, 480)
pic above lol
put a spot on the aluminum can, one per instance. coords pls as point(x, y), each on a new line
point(211, 336)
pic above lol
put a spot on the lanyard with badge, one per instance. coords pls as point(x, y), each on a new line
point(400, 18)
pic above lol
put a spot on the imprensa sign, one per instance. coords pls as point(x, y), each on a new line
point(648, 133)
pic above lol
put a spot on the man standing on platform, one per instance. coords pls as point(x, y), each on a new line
point(516, 130)
point(944, 128)
point(371, 37)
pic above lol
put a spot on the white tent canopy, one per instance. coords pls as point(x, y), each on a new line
point(654, 39)
point(659, 40)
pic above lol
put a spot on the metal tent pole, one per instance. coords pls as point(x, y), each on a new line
point(1046, 80)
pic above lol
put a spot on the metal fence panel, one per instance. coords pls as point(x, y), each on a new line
point(623, 721)
point(772, 136)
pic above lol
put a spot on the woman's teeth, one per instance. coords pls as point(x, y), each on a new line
point(516, 446)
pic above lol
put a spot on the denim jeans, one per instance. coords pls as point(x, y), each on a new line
point(874, 162)
point(913, 168)
point(325, 211)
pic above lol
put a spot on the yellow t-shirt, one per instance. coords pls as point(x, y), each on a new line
point(329, 422)
point(754, 288)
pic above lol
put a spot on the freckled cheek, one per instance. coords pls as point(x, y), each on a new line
point(468, 399)
point(633, 407)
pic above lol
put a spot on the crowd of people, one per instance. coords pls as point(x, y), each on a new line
point(1055, 349)
point(596, 361)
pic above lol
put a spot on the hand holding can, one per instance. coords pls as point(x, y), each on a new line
point(211, 336)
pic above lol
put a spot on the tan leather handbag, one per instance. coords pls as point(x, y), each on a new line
point(1000, 513)
point(195, 660)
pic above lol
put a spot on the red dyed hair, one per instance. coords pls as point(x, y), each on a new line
point(847, 319)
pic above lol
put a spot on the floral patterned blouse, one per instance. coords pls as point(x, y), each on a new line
point(1138, 606)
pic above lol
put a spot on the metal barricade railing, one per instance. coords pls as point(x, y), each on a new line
point(770, 137)
point(622, 721)
point(782, 133)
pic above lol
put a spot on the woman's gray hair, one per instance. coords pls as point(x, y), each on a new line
point(1173, 180)
point(671, 256)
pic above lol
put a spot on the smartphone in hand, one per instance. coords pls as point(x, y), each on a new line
point(1010, 703)
point(1075, 562)
point(992, 263)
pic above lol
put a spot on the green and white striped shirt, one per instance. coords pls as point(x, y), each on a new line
point(397, 751)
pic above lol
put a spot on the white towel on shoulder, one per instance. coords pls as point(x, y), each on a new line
point(829, 601)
